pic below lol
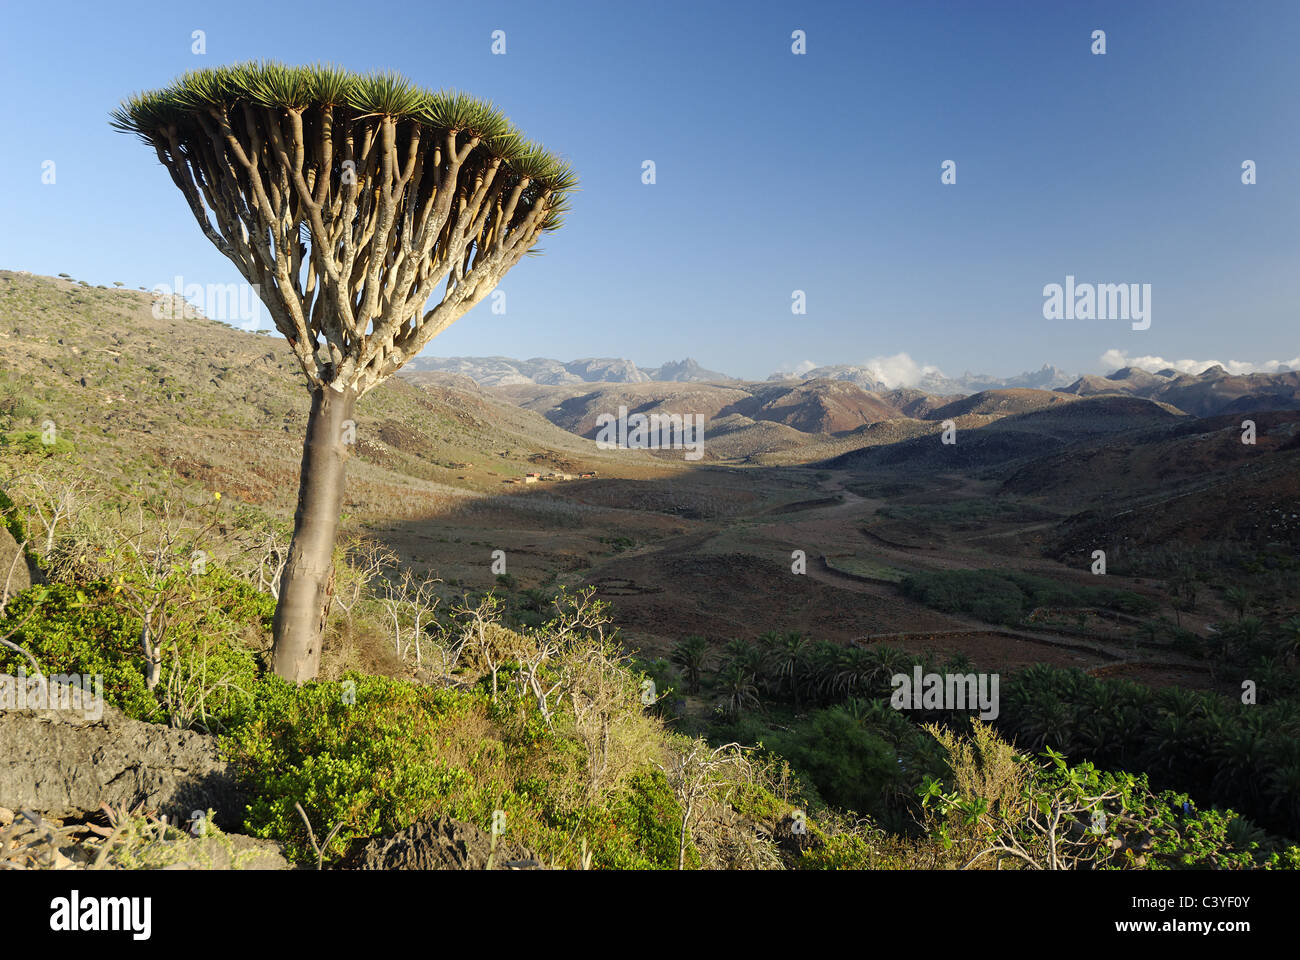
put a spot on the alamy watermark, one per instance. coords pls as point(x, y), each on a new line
point(655, 431)
point(73, 692)
point(1098, 301)
point(946, 691)
point(75, 913)
point(238, 304)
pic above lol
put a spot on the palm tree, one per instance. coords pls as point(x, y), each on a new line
point(1101, 698)
point(1238, 598)
point(1061, 728)
point(1131, 725)
point(1238, 640)
point(1174, 588)
point(748, 656)
point(1273, 678)
point(535, 599)
point(854, 671)
point(890, 661)
point(1097, 737)
point(1191, 587)
point(1176, 748)
point(1284, 780)
point(1047, 722)
point(1237, 749)
point(859, 709)
point(1290, 631)
point(786, 652)
point(690, 655)
point(1073, 685)
point(739, 691)
point(820, 670)
point(1178, 702)
point(880, 716)
point(1129, 693)
point(1249, 631)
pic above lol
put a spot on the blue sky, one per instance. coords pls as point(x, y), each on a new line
point(775, 172)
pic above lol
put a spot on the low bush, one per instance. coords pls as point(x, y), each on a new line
point(368, 756)
point(207, 674)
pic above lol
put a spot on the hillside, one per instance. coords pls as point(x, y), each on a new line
point(507, 371)
point(1163, 463)
point(1004, 402)
point(817, 406)
point(820, 406)
point(139, 396)
point(1210, 392)
point(989, 440)
point(575, 408)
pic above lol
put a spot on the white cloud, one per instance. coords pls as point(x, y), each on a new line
point(899, 370)
point(1113, 360)
point(797, 369)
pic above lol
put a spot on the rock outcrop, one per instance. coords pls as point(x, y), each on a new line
point(64, 764)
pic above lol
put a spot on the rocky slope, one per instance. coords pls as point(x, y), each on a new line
point(1204, 394)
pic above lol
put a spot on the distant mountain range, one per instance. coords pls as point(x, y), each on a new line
point(841, 397)
point(508, 372)
point(1047, 378)
point(1212, 391)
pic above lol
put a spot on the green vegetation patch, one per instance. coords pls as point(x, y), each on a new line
point(1006, 597)
point(371, 755)
point(33, 443)
point(206, 676)
point(866, 567)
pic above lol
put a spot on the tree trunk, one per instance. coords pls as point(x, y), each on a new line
point(307, 582)
point(681, 840)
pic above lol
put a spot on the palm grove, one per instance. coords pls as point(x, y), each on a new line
point(349, 201)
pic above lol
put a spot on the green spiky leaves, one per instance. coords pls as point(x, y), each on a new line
point(385, 94)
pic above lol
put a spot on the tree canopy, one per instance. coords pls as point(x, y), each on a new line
point(349, 198)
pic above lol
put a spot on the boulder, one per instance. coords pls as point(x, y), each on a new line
point(65, 763)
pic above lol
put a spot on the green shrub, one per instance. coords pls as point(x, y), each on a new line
point(362, 753)
point(1003, 810)
point(851, 767)
point(842, 851)
point(86, 629)
point(374, 755)
point(650, 817)
point(31, 443)
point(81, 630)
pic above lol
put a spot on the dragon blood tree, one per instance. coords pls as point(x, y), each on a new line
point(349, 201)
